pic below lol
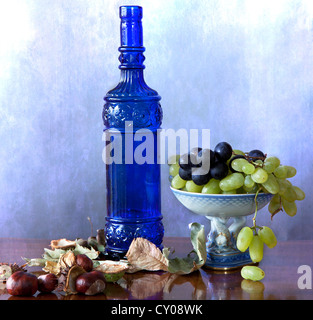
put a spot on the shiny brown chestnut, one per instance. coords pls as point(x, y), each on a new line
point(22, 284)
point(90, 283)
point(85, 262)
point(47, 282)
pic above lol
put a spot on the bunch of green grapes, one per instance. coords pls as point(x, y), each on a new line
point(242, 173)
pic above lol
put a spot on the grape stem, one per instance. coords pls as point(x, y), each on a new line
point(252, 159)
point(255, 227)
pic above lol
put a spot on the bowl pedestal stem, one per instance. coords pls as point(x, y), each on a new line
point(222, 252)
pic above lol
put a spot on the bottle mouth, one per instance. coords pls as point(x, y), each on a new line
point(131, 12)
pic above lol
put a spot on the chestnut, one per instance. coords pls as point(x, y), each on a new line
point(47, 282)
point(85, 262)
point(22, 284)
point(90, 283)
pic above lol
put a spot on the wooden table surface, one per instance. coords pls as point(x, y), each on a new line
point(281, 266)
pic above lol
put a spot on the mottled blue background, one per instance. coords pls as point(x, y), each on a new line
point(240, 68)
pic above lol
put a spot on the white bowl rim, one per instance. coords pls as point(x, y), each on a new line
point(211, 195)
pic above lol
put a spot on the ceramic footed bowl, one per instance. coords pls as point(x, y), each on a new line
point(222, 252)
point(221, 205)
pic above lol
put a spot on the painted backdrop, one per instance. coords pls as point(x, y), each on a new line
point(241, 68)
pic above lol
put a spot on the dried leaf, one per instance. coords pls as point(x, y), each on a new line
point(36, 262)
point(112, 267)
point(145, 255)
point(67, 260)
point(91, 253)
point(73, 274)
point(53, 254)
point(190, 264)
point(62, 244)
point(52, 267)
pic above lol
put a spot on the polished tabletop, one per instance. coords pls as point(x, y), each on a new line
point(287, 270)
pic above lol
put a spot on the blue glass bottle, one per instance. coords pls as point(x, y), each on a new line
point(133, 189)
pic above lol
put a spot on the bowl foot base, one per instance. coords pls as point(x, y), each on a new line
point(228, 261)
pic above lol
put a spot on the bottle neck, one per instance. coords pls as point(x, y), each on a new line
point(131, 48)
point(132, 58)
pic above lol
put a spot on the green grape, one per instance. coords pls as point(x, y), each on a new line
point(244, 239)
point(173, 159)
point(249, 183)
point(212, 187)
point(300, 193)
point(252, 273)
point(289, 207)
point(248, 168)
point(178, 182)
point(259, 175)
point(270, 164)
point(291, 171)
point(232, 182)
point(281, 172)
point(238, 164)
point(290, 194)
point(230, 192)
point(174, 169)
point(274, 204)
point(283, 185)
point(192, 187)
point(256, 249)
point(238, 152)
point(268, 237)
point(271, 185)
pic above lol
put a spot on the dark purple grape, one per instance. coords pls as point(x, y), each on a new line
point(223, 151)
point(195, 151)
point(219, 171)
point(185, 174)
point(254, 154)
point(239, 156)
point(207, 157)
point(200, 176)
point(187, 161)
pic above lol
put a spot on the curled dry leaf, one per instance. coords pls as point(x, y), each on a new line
point(62, 244)
point(70, 285)
point(67, 260)
point(112, 267)
point(145, 255)
point(52, 267)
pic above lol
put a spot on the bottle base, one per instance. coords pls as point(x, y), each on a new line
point(121, 233)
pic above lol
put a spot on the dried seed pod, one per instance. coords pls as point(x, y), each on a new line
point(101, 237)
point(62, 244)
point(82, 242)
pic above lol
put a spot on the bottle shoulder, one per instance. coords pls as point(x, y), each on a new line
point(132, 86)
